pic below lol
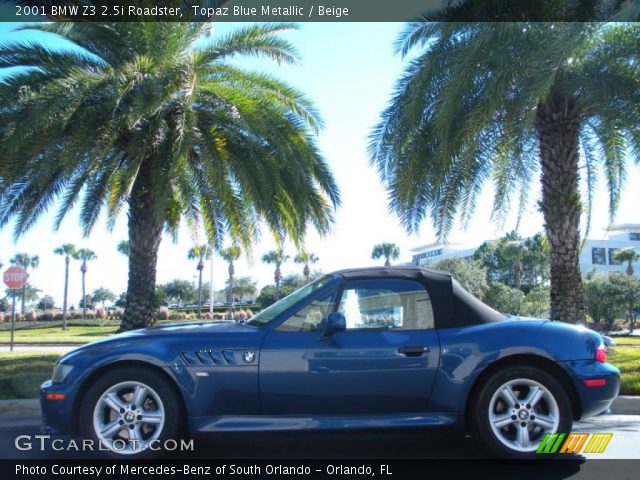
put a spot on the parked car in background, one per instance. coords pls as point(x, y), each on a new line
point(360, 348)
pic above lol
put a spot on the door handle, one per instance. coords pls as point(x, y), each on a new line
point(412, 351)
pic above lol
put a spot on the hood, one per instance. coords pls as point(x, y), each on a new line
point(169, 334)
point(189, 328)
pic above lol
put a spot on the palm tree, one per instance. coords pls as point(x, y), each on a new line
point(230, 255)
point(25, 261)
point(85, 255)
point(159, 119)
point(276, 257)
point(305, 257)
point(515, 252)
point(243, 287)
point(123, 247)
point(629, 255)
point(537, 96)
point(200, 253)
point(390, 251)
point(67, 250)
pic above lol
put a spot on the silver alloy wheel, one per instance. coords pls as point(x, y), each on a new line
point(127, 417)
point(521, 412)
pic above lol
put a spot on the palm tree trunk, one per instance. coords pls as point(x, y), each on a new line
point(200, 267)
point(84, 296)
point(306, 272)
point(24, 294)
point(231, 299)
point(145, 234)
point(387, 263)
point(517, 270)
point(557, 125)
point(66, 290)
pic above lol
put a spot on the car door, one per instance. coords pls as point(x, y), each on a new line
point(384, 362)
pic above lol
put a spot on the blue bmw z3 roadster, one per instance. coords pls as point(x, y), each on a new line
point(360, 348)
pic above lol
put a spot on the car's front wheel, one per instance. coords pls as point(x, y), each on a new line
point(516, 407)
point(130, 412)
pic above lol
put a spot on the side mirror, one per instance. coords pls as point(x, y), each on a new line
point(335, 323)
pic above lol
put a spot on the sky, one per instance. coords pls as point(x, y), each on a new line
point(348, 70)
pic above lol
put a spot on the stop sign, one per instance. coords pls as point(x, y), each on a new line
point(15, 277)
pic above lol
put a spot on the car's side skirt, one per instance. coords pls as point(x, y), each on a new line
point(238, 423)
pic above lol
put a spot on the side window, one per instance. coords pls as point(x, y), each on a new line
point(392, 304)
point(310, 317)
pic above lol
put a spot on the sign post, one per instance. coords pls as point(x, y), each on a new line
point(14, 278)
point(13, 320)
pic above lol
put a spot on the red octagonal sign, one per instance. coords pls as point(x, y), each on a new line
point(15, 277)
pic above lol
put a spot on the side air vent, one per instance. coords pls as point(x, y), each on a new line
point(210, 357)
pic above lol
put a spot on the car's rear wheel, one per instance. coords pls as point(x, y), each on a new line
point(516, 407)
point(130, 412)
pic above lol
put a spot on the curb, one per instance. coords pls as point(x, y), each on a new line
point(626, 405)
point(18, 409)
point(15, 410)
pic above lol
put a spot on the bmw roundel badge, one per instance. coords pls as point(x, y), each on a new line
point(249, 356)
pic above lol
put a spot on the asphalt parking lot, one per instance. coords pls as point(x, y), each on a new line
point(370, 444)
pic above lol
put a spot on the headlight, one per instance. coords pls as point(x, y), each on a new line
point(60, 372)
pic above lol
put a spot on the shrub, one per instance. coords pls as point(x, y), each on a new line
point(249, 313)
point(119, 313)
point(31, 316)
point(163, 313)
point(616, 327)
point(46, 317)
point(58, 316)
point(470, 273)
point(536, 303)
point(100, 312)
point(504, 298)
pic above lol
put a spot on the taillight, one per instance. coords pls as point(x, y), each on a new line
point(601, 354)
point(598, 382)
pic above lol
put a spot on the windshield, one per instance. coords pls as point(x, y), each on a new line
point(271, 312)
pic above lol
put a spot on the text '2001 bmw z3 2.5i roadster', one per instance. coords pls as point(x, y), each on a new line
point(360, 348)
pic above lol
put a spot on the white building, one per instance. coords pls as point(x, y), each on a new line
point(596, 255)
point(434, 252)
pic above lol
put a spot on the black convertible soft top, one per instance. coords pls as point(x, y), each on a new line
point(452, 305)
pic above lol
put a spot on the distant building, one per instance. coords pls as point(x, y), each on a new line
point(434, 252)
point(596, 255)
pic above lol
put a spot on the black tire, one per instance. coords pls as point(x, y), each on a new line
point(481, 411)
point(173, 421)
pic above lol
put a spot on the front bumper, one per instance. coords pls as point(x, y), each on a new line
point(594, 399)
point(57, 415)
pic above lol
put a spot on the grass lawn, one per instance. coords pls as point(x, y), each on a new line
point(75, 334)
point(627, 341)
point(627, 359)
point(21, 373)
